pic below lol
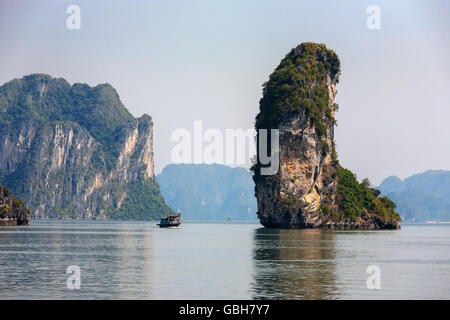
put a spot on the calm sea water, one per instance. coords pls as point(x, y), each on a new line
point(129, 260)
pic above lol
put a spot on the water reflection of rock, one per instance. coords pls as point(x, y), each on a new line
point(294, 264)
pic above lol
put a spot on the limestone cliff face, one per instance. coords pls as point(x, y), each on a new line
point(306, 178)
point(298, 100)
point(75, 151)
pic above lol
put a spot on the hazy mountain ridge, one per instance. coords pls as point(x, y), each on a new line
point(208, 192)
point(423, 196)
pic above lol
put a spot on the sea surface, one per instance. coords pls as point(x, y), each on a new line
point(135, 260)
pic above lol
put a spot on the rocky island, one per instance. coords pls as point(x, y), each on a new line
point(12, 210)
point(311, 189)
point(75, 152)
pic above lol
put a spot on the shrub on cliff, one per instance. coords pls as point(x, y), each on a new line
point(355, 199)
point(12, 210)
point(143, 202)
point(296, 85)
point(4, 210)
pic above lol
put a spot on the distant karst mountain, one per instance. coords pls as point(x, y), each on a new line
point(424, 196)
point(209, 192)
point(74, 151)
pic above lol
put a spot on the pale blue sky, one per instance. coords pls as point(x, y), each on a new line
point(181, 61)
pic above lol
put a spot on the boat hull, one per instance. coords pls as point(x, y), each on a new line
point(174, 225)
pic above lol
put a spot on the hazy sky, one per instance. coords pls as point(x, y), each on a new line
point(181, 61)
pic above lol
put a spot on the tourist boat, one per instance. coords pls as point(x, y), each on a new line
point(171, 221)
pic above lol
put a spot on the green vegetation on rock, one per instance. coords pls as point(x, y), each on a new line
point(355, 199)
point(296, 85)
point(12, 210)
point(143, 202)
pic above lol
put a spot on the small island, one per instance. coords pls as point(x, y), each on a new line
point(12, 210)
point(311, 189)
